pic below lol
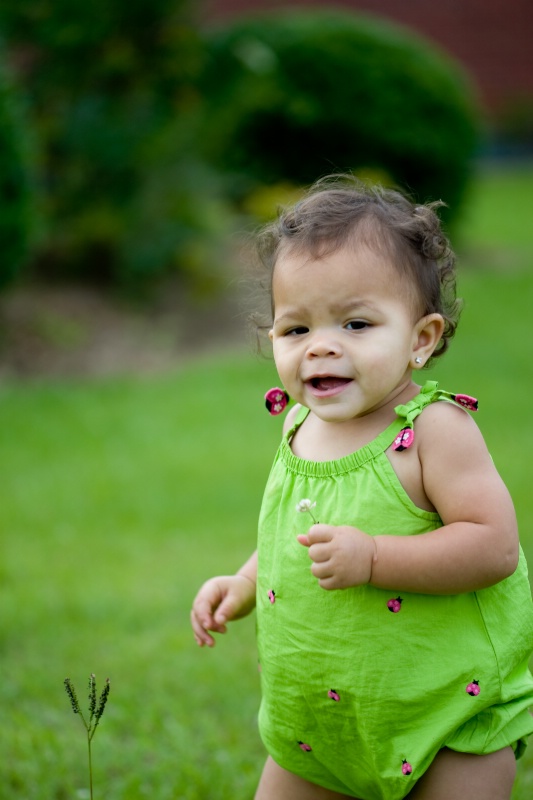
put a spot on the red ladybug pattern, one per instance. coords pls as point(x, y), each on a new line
point(305, 747)
point(272, 596)
point(466, 401)
point(276, 400)
point(404, 439)
point(473, 689)
point(406, 767)
point(395, 604)
point(334, 695)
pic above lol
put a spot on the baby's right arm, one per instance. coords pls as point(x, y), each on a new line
point(222, 599)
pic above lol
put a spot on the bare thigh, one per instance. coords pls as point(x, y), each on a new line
point(457, 776)
point(278, 784)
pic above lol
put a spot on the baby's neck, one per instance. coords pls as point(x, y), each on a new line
point(320, 440)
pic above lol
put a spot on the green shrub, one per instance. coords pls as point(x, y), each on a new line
point(300, 94)
point(110, 88)
point(15, 182)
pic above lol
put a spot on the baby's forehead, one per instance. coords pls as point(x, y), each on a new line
point(373, 260)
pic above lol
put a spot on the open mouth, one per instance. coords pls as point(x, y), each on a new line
point(328, 384)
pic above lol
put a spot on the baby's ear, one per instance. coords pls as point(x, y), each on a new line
point(427, 334)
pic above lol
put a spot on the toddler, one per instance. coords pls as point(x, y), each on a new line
point(394, 614)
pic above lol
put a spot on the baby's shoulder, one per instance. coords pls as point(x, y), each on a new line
point(446, 410)
point(446, 422)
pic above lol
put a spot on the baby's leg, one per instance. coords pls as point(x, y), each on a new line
point(457, 776)
point(278, 784)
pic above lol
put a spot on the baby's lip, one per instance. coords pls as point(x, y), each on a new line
point(328, 383)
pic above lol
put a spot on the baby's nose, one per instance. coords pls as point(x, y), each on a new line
point(323, 345)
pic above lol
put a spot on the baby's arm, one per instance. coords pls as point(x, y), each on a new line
point(227, 597)
point(222, 599)
point(477, 545)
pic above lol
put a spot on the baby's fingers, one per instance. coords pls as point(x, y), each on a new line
point(203, 616)
point(319, 553)
point(322, 570)
point(201, 634)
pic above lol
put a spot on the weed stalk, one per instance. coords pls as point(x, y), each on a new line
point(96, 711)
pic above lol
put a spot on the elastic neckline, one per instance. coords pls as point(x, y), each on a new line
point(406, 413)
point(340, 465)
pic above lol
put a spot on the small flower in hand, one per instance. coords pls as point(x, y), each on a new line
point(305, 506)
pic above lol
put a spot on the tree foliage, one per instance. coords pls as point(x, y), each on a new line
point(109, 87)
point(16, 195)
point(299, 94)
point(151, 135)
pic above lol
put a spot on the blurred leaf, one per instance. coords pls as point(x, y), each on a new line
point(17, 203)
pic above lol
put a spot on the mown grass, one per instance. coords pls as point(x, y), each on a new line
point(120, 497)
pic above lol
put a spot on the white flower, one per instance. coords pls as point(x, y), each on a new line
point(305, 506)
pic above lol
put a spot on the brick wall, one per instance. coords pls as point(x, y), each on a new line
point(492, 38)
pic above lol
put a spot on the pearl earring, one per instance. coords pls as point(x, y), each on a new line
point(418, 360)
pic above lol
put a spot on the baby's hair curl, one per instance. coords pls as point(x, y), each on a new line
point(341, 210)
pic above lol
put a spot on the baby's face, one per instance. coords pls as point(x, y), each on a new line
point(344, 331)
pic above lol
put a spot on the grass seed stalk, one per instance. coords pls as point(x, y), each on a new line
point(96, 710)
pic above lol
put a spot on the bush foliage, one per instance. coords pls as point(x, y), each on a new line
point(153, 136)
point(300, 94)
point(16, 201)
point(109, 86)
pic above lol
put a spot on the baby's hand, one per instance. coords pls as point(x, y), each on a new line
point(220, 600)
point(342, 556)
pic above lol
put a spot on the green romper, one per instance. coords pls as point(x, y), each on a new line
point(362, 687)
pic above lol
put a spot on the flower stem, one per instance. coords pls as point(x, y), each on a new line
point(90, 766)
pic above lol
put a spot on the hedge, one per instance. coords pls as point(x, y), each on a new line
point(112, 101)
point(16, 195)
point(300, 94)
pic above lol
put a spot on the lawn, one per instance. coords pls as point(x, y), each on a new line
point(120, 496)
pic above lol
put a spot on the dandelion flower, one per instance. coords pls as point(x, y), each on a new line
point(306, 506)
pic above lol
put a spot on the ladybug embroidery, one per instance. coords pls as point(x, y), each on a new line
point(334, 695)
point(466, 401)
point(406, 767)
point(272, 596)
point(395, 604)
point(276, 400)
point(305, 747)
point(404, 439)
point(473, 689)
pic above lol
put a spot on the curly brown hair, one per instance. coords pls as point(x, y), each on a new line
point(340, 210)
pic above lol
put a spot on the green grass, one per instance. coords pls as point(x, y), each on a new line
point(120, 497)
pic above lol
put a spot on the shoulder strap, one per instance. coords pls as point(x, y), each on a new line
point(302, 413)
point(430, 393)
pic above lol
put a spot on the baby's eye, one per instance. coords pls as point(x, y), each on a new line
point(297, 331)
point(357, 325)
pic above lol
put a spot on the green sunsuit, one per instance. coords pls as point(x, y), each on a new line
point(362, 686)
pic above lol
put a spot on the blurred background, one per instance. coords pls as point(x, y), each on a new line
point(141, 144)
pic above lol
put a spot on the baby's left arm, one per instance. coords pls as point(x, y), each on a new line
point(477, 545)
